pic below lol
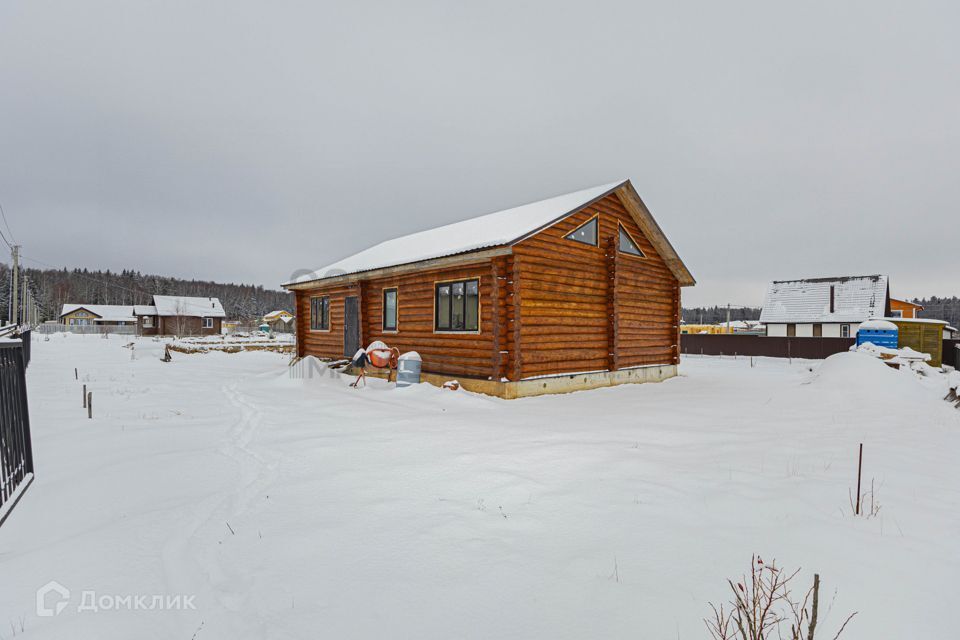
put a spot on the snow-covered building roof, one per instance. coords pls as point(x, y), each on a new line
point(876, 324)
point(104, 312)
point(144, 310)
point(279, 313)
point(493, 230)
point(188, 306)
point(824, 300)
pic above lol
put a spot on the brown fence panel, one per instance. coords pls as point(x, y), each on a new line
point(773, 347)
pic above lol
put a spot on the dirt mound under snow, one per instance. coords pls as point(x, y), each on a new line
point(862, 374)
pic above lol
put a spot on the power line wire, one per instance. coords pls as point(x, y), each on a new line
point(7, 224)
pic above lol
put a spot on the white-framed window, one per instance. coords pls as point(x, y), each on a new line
point(844, 331)
point(208, 323)
point(148, 322)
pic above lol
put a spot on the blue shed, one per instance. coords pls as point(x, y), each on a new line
point(879, 332)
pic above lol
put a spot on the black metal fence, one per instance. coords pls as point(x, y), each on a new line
point(25, 338)
point(773, 347)
point(16, 452)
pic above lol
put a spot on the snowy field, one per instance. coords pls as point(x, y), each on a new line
point(301, 508)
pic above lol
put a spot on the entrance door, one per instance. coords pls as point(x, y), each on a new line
point(351, 325)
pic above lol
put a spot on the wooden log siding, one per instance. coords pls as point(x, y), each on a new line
point(554, 306)
point(613, 260)
point(455, 354)
point(323, 344)
point(580, 311)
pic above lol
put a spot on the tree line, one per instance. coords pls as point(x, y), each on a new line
point(716, 315)
point(941, 309)
point(52, 288)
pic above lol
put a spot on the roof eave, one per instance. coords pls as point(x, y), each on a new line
point(641, 215)
point(468, 257)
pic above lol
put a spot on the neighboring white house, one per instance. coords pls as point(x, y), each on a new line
point(168, 315)
point(824, 307)
point(97, 314)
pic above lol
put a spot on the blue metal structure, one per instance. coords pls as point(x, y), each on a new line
point(879, 332)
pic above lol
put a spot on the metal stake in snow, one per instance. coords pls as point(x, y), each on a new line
point(84, 396)
point(859, 469)
point(90, 405)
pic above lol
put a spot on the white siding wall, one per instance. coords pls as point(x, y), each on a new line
point(830, 330)
point(776, 330)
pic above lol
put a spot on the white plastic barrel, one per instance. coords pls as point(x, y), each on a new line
point(408, 369)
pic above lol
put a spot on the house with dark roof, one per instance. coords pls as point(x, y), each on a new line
point(824, 307)
point(573, 292)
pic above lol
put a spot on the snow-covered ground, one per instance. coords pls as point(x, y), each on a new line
point(296, 507)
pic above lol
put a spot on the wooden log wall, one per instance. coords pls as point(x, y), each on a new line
point(323, 344)
point(454, 354)
point(566, 322)
point(554, 306)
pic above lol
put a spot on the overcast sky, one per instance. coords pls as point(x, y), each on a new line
point(240, 141)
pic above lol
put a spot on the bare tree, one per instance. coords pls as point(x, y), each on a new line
point(180, 319)
point(764, 607)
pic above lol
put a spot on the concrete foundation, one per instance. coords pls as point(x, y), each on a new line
point(563, 383)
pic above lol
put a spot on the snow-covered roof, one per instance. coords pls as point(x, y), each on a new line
point(188, 306)
point(914, 320)
point(105, 312)
point(907, 302)
point(855, 299)
point(875, 324)
point(279, 313)
point(144, 310)
point(487, 231)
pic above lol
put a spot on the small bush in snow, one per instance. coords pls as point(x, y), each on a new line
point(764, 606)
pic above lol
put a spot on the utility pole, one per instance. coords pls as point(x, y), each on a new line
point(728, 318)
point(28, 307)
point(23, 302)
point(14, 313)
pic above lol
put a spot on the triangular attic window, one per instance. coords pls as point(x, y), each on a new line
point(585, 233)
point(627, 245)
